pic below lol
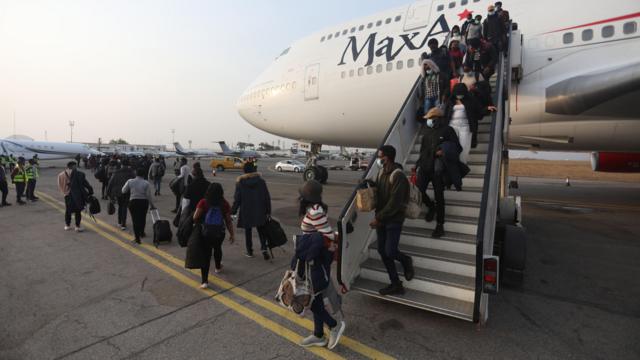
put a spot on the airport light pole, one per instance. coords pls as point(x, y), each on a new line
point(71, 125)
point(189, 144)
point(173, 136)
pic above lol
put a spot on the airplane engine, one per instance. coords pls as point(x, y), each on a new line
point(615, 162)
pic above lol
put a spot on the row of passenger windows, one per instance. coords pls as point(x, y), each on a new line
point(359, 28)
point(606, 32)
point(399, 65)
point(453, 4)
point(262, 93)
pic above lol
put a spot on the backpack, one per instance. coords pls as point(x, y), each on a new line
point(94, 205)
point(101, 174)
point(160, 171)
point(214, 222)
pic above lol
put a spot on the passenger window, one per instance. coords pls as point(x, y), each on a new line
point(399, 65)
point(608, 31)
point(330, 37)
point(452, 5)
point(379, 22)
point(351, 73)
point(464, 2)
point(410, 63)
point(389, 66)
point(476, 0)
point(345, 31)
point(337, 34)
point(360, 71)
point(587, 35)
point(440, 7)
point(322, 39)
point(288, 86)
point(369, 70)
point(630, 27)
point(379, 68)
point(361, 27)
point(353, 29)
point(293, 85)
point(343, 75)
point(369, 25)
point(388, 21)
point(398, 18)
point(567, 38)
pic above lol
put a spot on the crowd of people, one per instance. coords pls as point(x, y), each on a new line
point(23, 174)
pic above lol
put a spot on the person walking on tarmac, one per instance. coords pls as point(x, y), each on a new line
point(31, 171)
point(184, 177)
point(156, 172)
point(19, 178)
point(115, 194)
point(317, 247)
point(140, 200)
point(73, 184)
point(196, 189)
point(254, 202)
point(4, 188)
point(392, 194)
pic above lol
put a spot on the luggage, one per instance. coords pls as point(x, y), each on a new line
point(414, 206)
point(161, 228)
point(453, 82)
point(94, 205)
point(295, 293)
point(176, 186)
point(195, 258)
point(185, 227)
point(366, 198)
point(275, 234)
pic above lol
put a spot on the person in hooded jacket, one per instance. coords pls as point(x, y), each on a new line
point(253, 201)
point(433, 86)
point(315, 248)
point(196, 189)
point(115, 194)
point(434, 134)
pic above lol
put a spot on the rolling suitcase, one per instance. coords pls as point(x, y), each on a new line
point(161, 228)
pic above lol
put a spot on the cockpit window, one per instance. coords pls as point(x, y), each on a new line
point(285, 51)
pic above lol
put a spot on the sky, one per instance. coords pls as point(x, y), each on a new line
point(136, 69)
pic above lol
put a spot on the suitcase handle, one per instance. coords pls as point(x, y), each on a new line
point(155, 215)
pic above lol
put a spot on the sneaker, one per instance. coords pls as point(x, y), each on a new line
point(20, 202)
point(249, 254)
point(431, 214)
point(123, 228)
point(335, 334)
point(266, 256)
point(67, 228)
point(6, 204)
point(79, 229)
point(204, 286)
point(313, 340)
point(438, 231)
point(393, 289)
point(137, 241)
point(408, 269)
point(218, 270)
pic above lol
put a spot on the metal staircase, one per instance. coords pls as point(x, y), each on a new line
point(449, 270)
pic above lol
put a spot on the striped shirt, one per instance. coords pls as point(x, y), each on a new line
point(315, 220)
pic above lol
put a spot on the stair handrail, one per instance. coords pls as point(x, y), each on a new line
point(491, 186)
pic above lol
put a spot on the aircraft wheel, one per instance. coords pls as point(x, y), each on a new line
point(310, 174)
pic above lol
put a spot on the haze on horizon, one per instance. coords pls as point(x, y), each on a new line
point(136, 69)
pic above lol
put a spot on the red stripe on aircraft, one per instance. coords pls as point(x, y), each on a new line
point(624, 17)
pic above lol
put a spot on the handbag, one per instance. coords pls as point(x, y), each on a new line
point(195, 249)
point(366, 198)
point(414, 206)
point(295, 293)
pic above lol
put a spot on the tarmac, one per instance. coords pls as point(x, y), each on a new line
point(95, 295)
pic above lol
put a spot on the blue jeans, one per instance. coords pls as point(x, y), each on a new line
point(156, 183)
point(321, 316)
point(388, 241)
point(430, 103)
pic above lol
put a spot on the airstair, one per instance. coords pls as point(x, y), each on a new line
point(449, 270)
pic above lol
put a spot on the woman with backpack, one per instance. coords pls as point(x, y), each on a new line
point(213, 212)
point(316, 248)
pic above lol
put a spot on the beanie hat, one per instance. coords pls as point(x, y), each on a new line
point(311, 191)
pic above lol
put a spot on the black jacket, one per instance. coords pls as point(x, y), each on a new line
point(117, 181)
point(195, 191)
point(493, 28)
point(392, 196)
point(310, 248)
point(488, 55)
point(431, 140)
point(252, 199)
point(80, 190)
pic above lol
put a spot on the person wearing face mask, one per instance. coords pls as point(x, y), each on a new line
point(457, 55)
point(434, 134)
point(433, 85)
point(468, 21)
point(464, 110)
point(392, 197)
point(470, 78)
point(482, 57)
point(493, 29)
point(474, 29)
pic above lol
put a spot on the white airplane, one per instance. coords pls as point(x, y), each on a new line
point(227, 151)
point(45, 150)
point(580, 82)
point(195, 153)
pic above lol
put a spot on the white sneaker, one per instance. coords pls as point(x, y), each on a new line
point(79, 229)
point(204, 286)
point(67, 228)
point(123, 228)
point(313, 340)
point(335, 334)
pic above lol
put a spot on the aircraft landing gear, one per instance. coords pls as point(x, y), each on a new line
point(313, 170)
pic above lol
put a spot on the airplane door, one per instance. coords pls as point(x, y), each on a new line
point(417, 15)
point(312, 82)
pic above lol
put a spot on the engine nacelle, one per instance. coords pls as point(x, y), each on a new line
point(615, 162)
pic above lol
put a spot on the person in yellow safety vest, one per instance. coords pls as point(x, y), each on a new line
point(19, 178)
point(31, 170)
point(12, 162)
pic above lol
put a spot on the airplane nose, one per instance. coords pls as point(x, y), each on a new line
point(250, 109)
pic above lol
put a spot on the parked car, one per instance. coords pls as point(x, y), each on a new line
point(290, 165)
point(227, 163)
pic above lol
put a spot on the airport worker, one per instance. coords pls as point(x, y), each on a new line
point(156, 172)
point(31, 170)
point(140, 200)
point(214, 213)
point(253, 201)
point(316, 248)
point(196, 190)
point(19, 178)
point(4, 187)
point(493, 28)
point(474, 29)
point(392, 197)
point(73, 184)
point(115, 194)
point(433, 85)
point(434, 134)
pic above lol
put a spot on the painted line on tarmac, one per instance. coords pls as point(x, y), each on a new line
point(580, 204)
point(247, 295)
point(226, 301)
